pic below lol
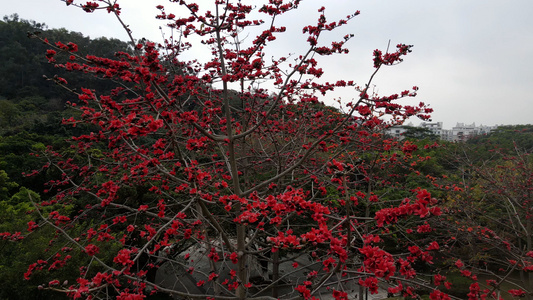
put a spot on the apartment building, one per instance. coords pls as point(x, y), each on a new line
point(460, 132)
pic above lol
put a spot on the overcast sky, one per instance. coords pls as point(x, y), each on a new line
point(472, 59)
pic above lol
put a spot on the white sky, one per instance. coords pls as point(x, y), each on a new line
point(473, 60)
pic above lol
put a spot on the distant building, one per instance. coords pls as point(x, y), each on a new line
point(460, 132)
point(398, 131)
point(435, 127)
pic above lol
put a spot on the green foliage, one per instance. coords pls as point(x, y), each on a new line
point(15, 256)
point(15, 157)
point(29, 103)
point(9, 113)
point(506, 138)
point(419, 133)
point(24, 62)
point(5, 186)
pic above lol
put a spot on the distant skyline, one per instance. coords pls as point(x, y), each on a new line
point(471, 59)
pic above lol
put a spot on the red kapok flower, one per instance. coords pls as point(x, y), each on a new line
point(91, 249)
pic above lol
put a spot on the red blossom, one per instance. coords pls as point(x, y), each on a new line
point(438, 295)
point(371, 283)
point(90, 6)
point(91, 250)
point(459, 264)
point(234, 258)
point(517, 293)
point(123, 257)
point(130, 296)
point(32, 226)
point(433, 246)
point(53, 282)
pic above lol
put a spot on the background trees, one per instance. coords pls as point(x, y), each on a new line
point(489, 208)
point(28, 101)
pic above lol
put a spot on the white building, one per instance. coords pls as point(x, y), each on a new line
point(435, 127)
point(460, 132)
point(397, 131)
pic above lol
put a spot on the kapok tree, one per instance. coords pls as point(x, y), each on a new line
point(199, 182)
